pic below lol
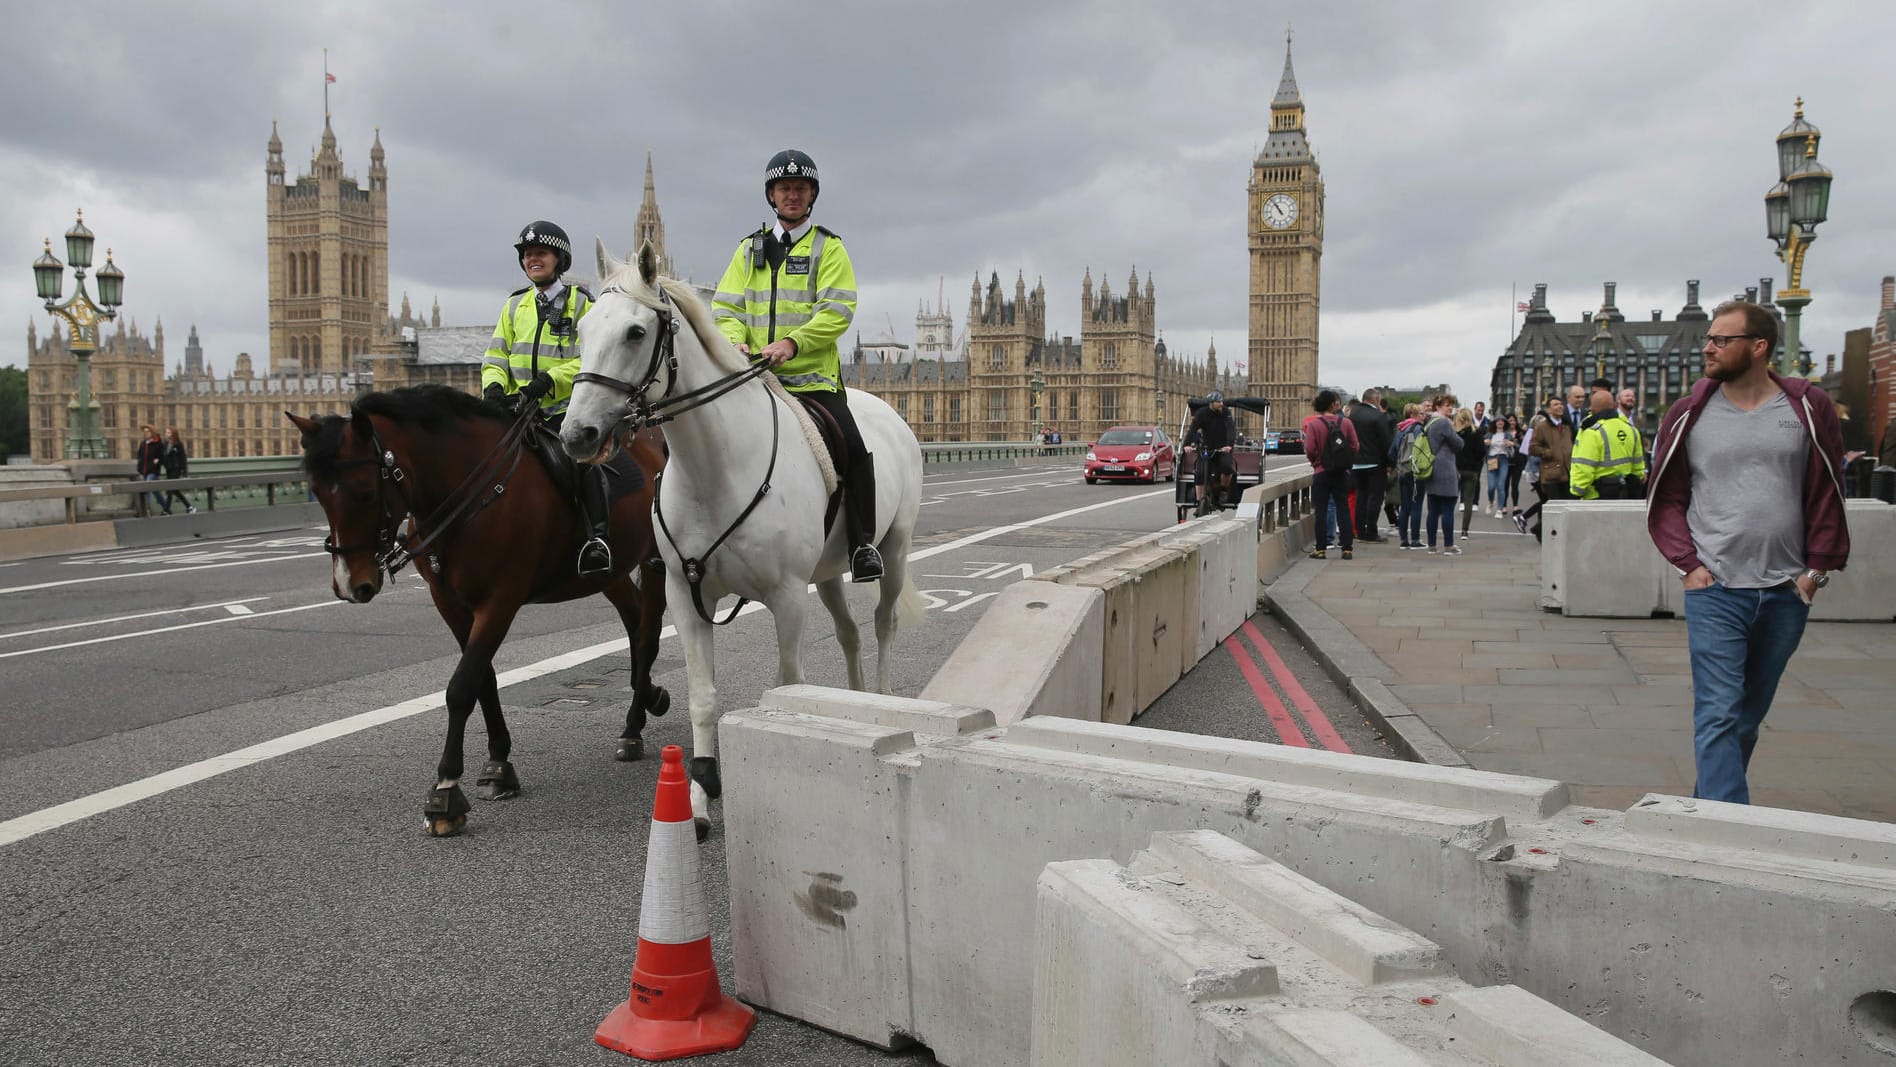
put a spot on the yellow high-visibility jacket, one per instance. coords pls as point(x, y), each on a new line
point(1606, 447)
point(523, 343)
point(810, 298)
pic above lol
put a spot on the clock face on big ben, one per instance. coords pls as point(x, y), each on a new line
point(1280, 211)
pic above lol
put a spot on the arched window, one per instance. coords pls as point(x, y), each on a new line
point(289, 272)
point(316, 272)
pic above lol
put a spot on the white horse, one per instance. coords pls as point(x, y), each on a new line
point(740, 510)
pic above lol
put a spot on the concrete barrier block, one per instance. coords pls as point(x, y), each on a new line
point(1368, 948)
point(1743, 828)
point(1315, 1037)
point(1241, 588)
point(1037, 651)
point(1119, 971)
point(1511, 1025)
point(817, 920)
point(1509, 795)
point(875, 709)
point(1611, 568)
point(26, 542)
point(1866, 589)
point(1143, 605)
point(1553, 518)
point(1204, 593)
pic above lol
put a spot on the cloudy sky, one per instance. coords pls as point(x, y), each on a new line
point(1466, 147)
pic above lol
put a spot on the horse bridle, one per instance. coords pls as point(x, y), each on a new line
point(392, 550)
point(641, 412)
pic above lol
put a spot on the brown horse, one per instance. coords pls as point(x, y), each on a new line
point(443, 476)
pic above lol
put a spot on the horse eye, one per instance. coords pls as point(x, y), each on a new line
point(634, 332)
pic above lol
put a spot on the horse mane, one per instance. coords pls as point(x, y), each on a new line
point(625, 277)
point(432, 408)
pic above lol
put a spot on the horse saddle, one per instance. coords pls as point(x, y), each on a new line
point(623, 476)
point(834, 443)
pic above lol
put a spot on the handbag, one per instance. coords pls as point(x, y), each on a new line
point(1494, 463)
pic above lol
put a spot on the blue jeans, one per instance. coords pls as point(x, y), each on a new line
point(1442, 512)
point(1408, 510)
point(145, 499)
point(1740, 640)
point(1332, 488)
point(1498, 485)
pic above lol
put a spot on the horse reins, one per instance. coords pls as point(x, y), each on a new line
point(641, 412)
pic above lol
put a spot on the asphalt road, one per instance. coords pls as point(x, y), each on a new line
point(272, 899)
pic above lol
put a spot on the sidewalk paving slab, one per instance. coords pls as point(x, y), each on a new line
point(1462, 665)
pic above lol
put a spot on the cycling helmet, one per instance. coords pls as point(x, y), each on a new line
point(791, 163)
point(542, 232)
point(1214, 397)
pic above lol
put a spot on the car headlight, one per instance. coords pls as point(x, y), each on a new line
point(1091, 458)
point(1142, 457)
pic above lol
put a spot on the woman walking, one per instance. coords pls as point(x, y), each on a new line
point(1444, 479)
point(1517, 463)
point(1500, 443)
point(177, 465)
point(1468, 463)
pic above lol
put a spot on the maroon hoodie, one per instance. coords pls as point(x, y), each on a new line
point(1826, 534)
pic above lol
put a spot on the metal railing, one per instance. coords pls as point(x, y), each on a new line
point(977, 451)
point(258, 489)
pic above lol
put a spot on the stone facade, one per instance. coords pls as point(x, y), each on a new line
point(328, 260)
point(1117, 372)
point(1881, 410)
point(1286, 251)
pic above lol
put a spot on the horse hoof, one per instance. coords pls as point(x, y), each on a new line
point(497, 781)
point(702, 826)
point(661, 701)
point(700, 811)
point(630, 750)
point(704, 772)
point(444, 811)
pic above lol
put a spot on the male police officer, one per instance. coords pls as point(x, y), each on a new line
point(1609, 460)
point(533, 358)
point(787, 296)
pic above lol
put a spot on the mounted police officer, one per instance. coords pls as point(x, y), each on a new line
point(786, 298)
point(533, 359)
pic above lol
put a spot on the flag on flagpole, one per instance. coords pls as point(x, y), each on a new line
point(328, 78)
point(1240, 367)
point(1521, 305)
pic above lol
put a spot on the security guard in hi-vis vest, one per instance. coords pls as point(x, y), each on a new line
point(1609, 460)
point(533, 358)
point(786, 298)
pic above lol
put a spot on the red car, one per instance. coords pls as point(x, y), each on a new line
point(1131, 453)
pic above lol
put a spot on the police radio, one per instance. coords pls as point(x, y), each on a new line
point(757, 250)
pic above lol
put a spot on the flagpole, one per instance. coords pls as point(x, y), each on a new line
point(325, 85)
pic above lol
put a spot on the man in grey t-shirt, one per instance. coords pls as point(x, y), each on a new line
point(1746, 501)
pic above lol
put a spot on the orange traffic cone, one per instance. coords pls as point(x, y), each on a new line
point(675, 1008)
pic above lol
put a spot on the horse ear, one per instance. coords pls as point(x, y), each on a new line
point(306, 426)
point(605, 259)
point(648, 263)
point(359, 421)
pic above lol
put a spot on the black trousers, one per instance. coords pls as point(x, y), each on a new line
point(837, 405)
point(1326, 488)
point(1371, 484)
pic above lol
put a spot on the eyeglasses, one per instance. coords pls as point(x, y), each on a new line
point(1720, 340)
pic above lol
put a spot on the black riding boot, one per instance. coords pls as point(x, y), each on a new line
point(859, 521)
point(595, 556)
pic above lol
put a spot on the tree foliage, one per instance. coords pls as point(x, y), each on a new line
point(13, 424)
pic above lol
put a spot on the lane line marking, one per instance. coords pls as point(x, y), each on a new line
point(22, 827)
point(149, 574)
point(1319, 722)
point(1287, 729)
point(168, 629)
point(227, 605)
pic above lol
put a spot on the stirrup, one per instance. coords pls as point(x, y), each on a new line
point(595, 557)
point(865, 564)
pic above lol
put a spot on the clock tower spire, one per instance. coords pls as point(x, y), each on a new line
point(1286, 248)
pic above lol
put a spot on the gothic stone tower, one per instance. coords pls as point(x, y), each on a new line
point(1004, 342)
point(328, 254)
point(1118, 345)
point(1286, 239)
point(649, 227)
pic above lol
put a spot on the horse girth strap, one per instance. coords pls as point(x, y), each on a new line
point(694, 568)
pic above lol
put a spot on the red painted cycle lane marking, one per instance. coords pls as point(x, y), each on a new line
point(1319, 723)
point(1280, 717)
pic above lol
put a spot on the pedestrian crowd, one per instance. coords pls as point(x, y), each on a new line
point(163, 457)
point(1438, 458)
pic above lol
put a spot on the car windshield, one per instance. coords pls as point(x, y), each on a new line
point(1126, 437)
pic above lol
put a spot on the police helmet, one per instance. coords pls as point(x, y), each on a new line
point(791, 163)
point(1214, 397)
point(542, 232)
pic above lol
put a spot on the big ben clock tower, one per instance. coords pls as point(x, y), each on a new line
point(1286, 239)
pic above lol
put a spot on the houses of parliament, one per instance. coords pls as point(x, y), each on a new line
point(1002, 375)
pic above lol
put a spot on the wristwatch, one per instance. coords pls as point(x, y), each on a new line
point(1818, 579)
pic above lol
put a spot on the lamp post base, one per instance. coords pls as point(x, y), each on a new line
point(1793, 301)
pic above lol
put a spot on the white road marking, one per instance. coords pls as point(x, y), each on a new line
point(167, 629)
point(38, 822)
point(152, 574)
point(233, 606)
point(1038, 473)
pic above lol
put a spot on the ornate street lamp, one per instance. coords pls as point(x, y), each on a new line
point(1792, 209)
point(1036, 384)
point(1602, 343)
point(82, 318)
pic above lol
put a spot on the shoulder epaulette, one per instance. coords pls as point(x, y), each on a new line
point(587, 292)
point(522, 289)
point(829, 231)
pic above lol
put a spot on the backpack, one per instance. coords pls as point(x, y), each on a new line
point(1421, 454)
point(1337, 454)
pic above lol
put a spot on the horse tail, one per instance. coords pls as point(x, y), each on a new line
point(909, 606)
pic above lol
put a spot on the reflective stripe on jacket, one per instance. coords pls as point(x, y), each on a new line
point(1607, 447)
point(511, 355)
point(810, 298)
